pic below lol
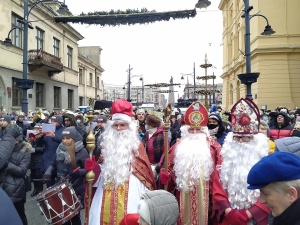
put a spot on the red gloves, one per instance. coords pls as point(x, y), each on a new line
point(244, 213)
point(90, 164)
point(236, 218)
point(164, 177)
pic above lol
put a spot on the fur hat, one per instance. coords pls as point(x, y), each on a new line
point(153, 121)
point(278, 166)
point(72, 133)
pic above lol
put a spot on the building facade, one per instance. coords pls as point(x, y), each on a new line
point(276, 57)
point(53, 59)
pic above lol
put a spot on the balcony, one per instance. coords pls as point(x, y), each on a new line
point(39, 59)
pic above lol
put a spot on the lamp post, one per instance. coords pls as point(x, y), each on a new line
point(129, 82)
point(205, 66)
point(25, 83)
point(193, 74)
point(248, 78)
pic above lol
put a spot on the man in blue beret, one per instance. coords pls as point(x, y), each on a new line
point(278, 178)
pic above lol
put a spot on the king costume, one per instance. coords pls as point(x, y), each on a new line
point(111, 201)
point(194, 193)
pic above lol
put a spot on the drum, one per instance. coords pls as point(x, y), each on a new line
point(59, 203)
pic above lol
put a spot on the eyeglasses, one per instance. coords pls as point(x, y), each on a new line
point(244, 138)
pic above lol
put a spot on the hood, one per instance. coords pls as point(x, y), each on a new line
point(288, 144)
point(163, 207)
point(69, 116)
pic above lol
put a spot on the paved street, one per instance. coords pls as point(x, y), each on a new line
point(34, 214)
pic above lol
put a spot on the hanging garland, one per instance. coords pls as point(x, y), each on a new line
point(159, 85)
point(128, 17)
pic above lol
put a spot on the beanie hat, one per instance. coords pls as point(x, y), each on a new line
point(153, 121)
point(6, 118)
point(58, 119)
point(140, 111)
point(278, 166)
point(122, 111)
point(72, 133)
point(130, 219)
point(143, 210)
point(297, 111)
point(102, 118)
point(264, 123)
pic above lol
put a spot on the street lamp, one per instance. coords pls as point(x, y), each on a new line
point(202, 4)
point(248, 78)
point(25, 83)
point(205, 66)
point(193, 74)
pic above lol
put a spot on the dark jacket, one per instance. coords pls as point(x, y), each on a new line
point(8, 212)
point(51, 145)
point(36, 157)
point(62, 169)
point(98, 141)
point(7, 144)
point(13, 183)
point(81, 130)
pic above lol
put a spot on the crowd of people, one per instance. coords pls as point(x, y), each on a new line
point(232, 168)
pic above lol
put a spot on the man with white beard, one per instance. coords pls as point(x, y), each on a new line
point(233, 203)
point(125, 172)
point(191, 164)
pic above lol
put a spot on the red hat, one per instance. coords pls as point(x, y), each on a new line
point(196, 115)
point(122, 110)
point(130, 219)
point(245, 117)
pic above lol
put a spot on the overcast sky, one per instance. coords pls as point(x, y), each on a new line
point(158, 50)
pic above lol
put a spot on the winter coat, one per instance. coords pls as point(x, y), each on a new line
point(284, 131)
point(14, 184)
point(288, 144)
point(36, 157)
point(98, 141)
point(163, 207)
point(51, 145)
point(7, 144)
point(62, 166)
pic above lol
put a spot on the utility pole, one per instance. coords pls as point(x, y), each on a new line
point(128, 84)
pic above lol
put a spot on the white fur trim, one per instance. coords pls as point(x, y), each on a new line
point(121, 117)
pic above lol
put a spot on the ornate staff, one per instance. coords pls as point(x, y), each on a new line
point(167, 112)
point(90, 145)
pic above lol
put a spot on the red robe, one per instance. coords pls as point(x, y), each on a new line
point(258, 211)
point(199, 205)
point(141, 169)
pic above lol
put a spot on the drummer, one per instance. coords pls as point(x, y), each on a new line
point(69, 164)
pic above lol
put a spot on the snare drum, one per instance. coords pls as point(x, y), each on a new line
point(59, 203)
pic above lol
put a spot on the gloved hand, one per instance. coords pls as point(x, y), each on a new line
point(244, 213)
point(90, 164)
point(164, 177)
point(46, 178)
point(235, 218)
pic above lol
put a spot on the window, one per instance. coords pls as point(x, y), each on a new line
point(81, 99)
point(70, 99)
point(98, 83)
point(16, 94)
point(91, 79)
point(56, 47)
point(39, 38)
point(80, 76)
point(57, 97)
point(39, 91)
point(17, 33)
point(69, 56)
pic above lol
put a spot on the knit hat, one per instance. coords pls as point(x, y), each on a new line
point(122, 111)
point(153, 121)
point(143, 210)
point(6, 118)
point(140, 111)
point(72, 133)
point(297, 111)
point(130, 219)
point(278, 166)
point(102, 118)
point(58, 119)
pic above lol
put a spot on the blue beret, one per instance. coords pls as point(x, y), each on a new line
point(279, 166)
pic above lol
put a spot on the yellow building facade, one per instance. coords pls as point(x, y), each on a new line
point(275, 57)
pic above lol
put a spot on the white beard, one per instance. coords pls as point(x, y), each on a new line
point(238, 159)
point(192, 161)
point(119, 151)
